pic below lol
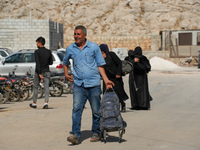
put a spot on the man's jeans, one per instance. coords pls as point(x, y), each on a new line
point(80, 96)
point(36, 85)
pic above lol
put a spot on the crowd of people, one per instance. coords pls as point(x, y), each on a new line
point(91, 63)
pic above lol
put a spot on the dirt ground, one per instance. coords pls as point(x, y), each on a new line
point(172, 123)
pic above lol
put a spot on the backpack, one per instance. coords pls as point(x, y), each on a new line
point(127, 67)
point(111, 119)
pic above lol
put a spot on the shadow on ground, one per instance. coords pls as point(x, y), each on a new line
point(3, 109)
point(87, 134)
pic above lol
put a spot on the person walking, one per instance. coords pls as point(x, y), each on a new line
point(138, 80)
point(113, 69)
point(87, 64)
point(43, 58)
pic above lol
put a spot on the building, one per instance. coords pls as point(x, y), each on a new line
point(18, 34)
point(181, 43)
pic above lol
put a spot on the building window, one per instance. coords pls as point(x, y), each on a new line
point(185, 38)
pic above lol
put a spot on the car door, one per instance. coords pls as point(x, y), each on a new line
point(12, 63)
point(29, 63)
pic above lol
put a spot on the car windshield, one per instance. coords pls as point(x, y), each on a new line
point(61, 56)
point(3, 54)
point(9, 51)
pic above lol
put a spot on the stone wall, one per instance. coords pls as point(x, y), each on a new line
point(148, 42)
point(19, 34)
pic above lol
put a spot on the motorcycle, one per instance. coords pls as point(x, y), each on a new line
point(14, 93)
point(67, 89)
point(29, 83)
point(55, 87)
point(17, 87)
point(4, 93)
point(22, 86)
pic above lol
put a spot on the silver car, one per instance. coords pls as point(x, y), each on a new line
point(24, 61)
point(5, 52)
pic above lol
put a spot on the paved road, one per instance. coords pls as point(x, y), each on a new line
point(172, 123)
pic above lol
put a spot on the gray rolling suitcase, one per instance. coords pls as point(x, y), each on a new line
point(111, 119)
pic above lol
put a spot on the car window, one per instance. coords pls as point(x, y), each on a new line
point(3, 54)
point(29, 57)
point(61, 56)
point(9, 51)
point(16, 58)
point(53, 57)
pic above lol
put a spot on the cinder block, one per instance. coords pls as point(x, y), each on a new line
point(24, 20)
point(22, 27)
point(26, 24)
point(2, 23)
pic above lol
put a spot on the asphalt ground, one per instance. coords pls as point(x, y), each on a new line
point(172, 123)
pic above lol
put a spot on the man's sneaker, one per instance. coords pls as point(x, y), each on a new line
point(33, 105)
point(73, 139)
point(95, 138)
point(45, 107)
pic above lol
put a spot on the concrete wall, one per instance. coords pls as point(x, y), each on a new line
point(17, 34)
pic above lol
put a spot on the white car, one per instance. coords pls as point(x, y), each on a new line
point(24, 61)
point(4, 52)
point(62, 50)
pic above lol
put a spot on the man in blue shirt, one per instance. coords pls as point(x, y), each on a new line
point(87, 64)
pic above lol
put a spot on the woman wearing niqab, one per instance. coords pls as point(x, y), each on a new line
point(113, 69)
point(138, 80)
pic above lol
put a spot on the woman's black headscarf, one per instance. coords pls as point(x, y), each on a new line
point(104, 48)
point(138, 51)
point(130, 52)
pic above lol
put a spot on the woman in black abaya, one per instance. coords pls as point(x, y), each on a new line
point(113, 69)
point(138, 80)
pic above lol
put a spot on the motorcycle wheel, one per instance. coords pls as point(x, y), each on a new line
point(68, 90)
point(24, 94)
point(57, 92)
point(4, 97)
point(14, 95)
point(40, 92)
point(30, 91)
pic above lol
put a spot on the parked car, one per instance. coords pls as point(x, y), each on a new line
point(62, 50)
point(24, 61)
point(5, 52)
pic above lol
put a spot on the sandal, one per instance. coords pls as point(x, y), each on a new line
point(73, 139)
point(95, 138)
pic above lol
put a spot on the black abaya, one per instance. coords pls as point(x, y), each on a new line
point(113, 68)
point(138, 83)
